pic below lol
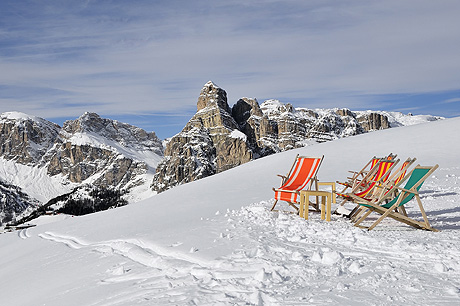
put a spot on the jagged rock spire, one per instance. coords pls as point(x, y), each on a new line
point(212, 95)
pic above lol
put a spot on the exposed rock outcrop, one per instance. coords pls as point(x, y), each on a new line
point(218, 138)
point(209, 143)
point(93, 145)
point(106, 152)
point(14, 202)
point(373, 121)
point(26, 139)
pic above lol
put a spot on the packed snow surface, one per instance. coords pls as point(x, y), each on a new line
point(216, 242)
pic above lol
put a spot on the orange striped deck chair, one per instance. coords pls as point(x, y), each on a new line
point(383, 188)
point(301, 176)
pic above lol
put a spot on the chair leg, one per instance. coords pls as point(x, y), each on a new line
point(387, 212)
point(273, 207)
point(359, 212)
point(353, 212)
point(403, 210)
point(363, 217)
point(427, 223)
point(291, 204)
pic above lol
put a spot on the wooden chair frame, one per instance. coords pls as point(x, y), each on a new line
point(383, 187)
point(358, 176)
point(399, 200)
point(373, 178)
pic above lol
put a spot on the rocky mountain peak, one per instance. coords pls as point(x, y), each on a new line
point(206, 145)
point(25, 138)
point(113, 130)
point(212, 95)
point(274, 108)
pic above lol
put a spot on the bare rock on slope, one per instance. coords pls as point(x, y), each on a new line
point(210, 142)
point(218, 137)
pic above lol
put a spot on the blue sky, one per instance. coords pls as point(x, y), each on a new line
point(145, 62)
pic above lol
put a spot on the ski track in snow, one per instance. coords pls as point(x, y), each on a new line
point(24, 234)
point(289, 261)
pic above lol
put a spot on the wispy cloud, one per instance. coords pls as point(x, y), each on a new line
point(117, 57)
point(453, 100)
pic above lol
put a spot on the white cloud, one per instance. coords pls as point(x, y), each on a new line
point(155, 56)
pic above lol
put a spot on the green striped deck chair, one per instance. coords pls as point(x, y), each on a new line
point(394, 207)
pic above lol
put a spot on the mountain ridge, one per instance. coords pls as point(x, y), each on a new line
point(219, 137)
point(46, 160)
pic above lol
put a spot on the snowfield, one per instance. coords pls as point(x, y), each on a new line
point(215, 242)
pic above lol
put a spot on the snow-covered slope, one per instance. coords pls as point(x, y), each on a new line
point(214, 241)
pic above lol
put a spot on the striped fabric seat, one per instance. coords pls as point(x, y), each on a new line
point(301, 176)
point(381, 187)
point(367, 187)
point(358, 176)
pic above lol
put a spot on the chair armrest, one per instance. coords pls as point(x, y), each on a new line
point(407, 190)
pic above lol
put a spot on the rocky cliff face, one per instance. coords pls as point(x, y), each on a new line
point(26, 139)
point(208, 144)
point(218, 137)
point(90, 149)
point(91, 145)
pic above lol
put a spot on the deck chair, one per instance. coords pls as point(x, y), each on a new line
point(357, 176)
point(367, 186)
point(383, 187)
point(414, 179)
point(301, 176)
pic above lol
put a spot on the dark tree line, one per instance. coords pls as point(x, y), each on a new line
point(101, 199)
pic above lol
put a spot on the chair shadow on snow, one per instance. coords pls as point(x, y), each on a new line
point(434, 194)
point(443, 219)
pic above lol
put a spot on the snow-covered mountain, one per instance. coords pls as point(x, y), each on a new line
point(218, 137)
point(216, 242)
point(45, 160)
